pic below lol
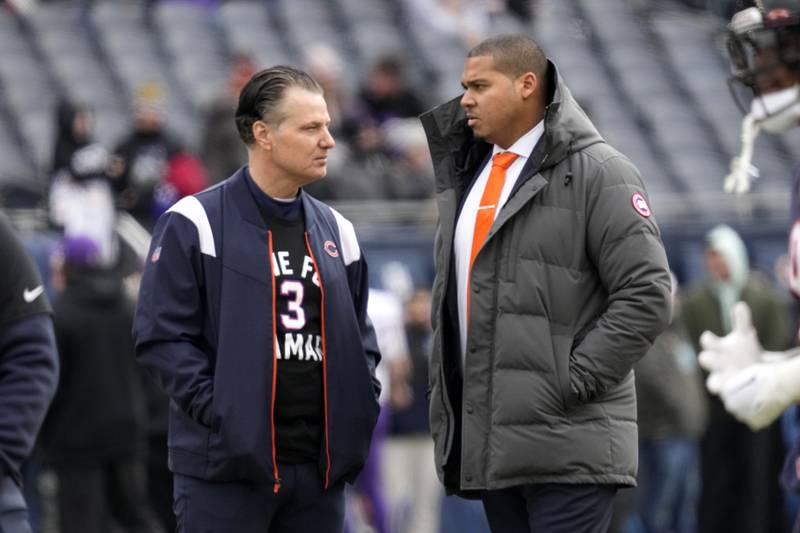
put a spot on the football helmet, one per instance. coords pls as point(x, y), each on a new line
point(764, 51)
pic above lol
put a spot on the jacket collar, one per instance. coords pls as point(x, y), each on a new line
point(248, 209)
point(243, 198)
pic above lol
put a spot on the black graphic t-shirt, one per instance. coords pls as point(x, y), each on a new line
point(298, 389)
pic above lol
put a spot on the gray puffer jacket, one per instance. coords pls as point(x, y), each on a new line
point(569, 291)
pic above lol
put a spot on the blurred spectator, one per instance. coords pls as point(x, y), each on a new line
point(411, 175)
point(159, 477)
point(94, 435)
point(73, 131)
point(413, 490)
point(672, 414)
point(386, 314)
point(353, 174)
point(82, 203)
point(221, 147)
point(347, 179)
point(362, 168)
point(81, 200)
point(739, 467)
point(150, 169)
point(387, 93)
point(324, 63)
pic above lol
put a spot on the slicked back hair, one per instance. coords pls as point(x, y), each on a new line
point(514, 54)
point(262, 96)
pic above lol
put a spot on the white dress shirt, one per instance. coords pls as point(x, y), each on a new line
point(465, 226)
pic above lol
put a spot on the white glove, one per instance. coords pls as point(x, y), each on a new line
point(758, 394)
point(724, 356)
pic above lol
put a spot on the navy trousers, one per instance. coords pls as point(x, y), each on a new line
point(244, 507)
point(13, 512)
point(550, 508)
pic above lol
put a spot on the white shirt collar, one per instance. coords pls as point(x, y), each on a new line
point(525, 144)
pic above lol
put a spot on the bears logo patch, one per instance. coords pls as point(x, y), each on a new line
point(331, 249)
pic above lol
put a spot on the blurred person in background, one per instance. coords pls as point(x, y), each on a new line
point(149, 168)
point(325, 64)
point(82, 202)
point(360, 171)
point(413, 492)
point(756, 384)
point(95, 434)
point(551, 283)
point(671, 410)
point(387, 92)
point(410, 177)
point(73, 131)
point(348, 178)
point(28, 371)
point(386, 313)
point(221, 147)
point(252, 315)
point(81, 198)
point(739, 467)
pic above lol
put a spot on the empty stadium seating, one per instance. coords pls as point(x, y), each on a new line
point(652, 75)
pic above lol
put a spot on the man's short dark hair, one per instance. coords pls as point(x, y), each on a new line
point(261, 97)
point(514, 54)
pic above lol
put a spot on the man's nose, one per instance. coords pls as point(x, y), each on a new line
point(327, 140)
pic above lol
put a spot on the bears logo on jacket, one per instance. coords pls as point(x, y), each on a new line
point(331, 249)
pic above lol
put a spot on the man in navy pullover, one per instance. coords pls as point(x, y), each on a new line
point(252, 316)
point(28, 371)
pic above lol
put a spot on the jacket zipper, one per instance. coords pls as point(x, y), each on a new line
point(324, 362)
point(491, 365)
point(277, 485)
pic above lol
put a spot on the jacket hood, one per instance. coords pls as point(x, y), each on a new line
point(567, 129)
point(726, 242)
point(66, 139)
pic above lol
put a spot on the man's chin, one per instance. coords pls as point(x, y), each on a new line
point(477, 134)
point(316, 177)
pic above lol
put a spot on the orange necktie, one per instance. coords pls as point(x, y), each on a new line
point(491, 195)
point(485, 215)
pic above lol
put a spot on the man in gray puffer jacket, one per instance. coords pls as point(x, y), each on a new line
point(541, 305)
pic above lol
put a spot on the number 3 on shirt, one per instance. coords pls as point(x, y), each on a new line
point(296, 317)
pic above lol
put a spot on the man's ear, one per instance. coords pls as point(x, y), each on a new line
point(528, 84)
point(262, 133)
